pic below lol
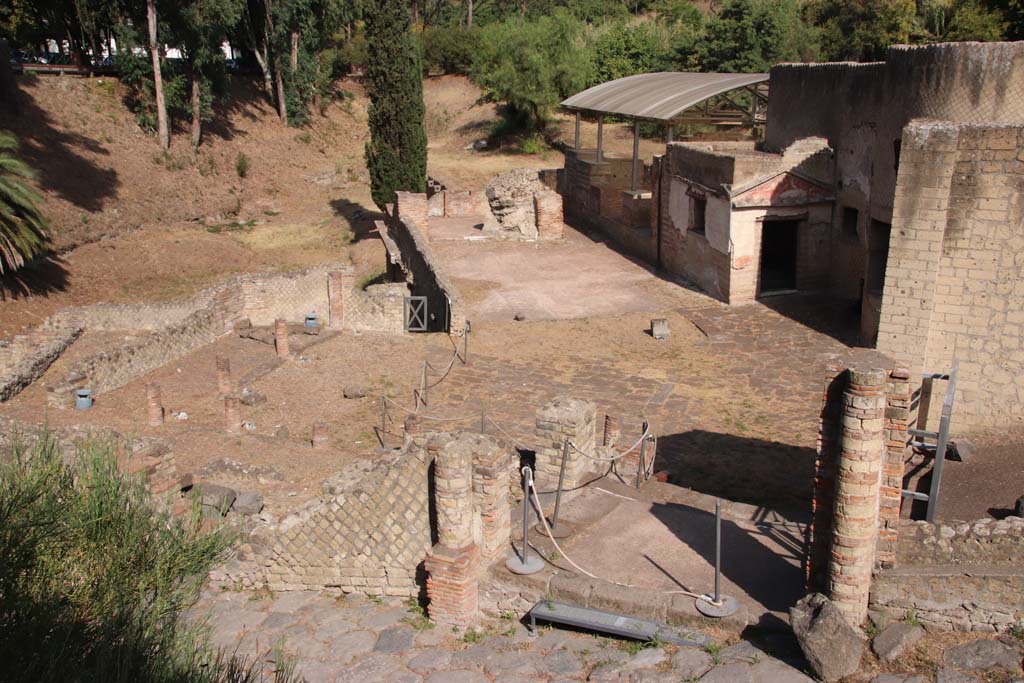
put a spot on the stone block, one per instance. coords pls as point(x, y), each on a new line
point(832, 647)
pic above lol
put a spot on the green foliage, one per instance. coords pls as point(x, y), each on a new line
point(531, 65)
point(242, 165)
point(624, 49)
point(750, 36)
point(94, 576)
point(861, 29)
point(23, 229)
point(533, 144)
point(961, 20)
point(448, 50)
point(396, 155)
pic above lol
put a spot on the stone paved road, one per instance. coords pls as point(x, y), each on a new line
point(354, 639)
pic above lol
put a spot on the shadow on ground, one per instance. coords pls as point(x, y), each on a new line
point(57, 156)
point(359, 218)
point(766, 473)
point(43, 276)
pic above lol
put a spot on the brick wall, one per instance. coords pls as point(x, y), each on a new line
point(424, 273)
point(376, 520)
point(954, 285)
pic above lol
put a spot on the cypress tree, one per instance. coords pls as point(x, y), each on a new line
point(396, 155)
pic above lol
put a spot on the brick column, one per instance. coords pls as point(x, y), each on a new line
point(897, 424)
point(224, 387)
point(550, 221)
point(491, 464)
point(320, 436)
point(561, 419)
point(823, 503)
point(232, 415)
point(281, 338)
point(338, 285)
point(154, 405)
point(858, 479)
point(453, 564)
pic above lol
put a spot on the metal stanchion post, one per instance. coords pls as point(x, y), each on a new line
point(465, 344)
point(559, 529)
point(717, 605)
point(483, 428)
point(383, 418)
point(523, 563)
point(640, 468)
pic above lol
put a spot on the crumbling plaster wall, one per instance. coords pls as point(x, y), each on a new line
point(724, 260)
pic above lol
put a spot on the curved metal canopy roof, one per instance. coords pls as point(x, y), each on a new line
point(659, 96)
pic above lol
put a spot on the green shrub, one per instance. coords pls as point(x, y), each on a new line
point(448, 50)
point(533, 144)
point(94, 577)
point(242, 165)
point(531, 65)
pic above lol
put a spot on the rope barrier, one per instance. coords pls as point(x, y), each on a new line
point(510, 437)
point(547, 532)
point(475, 416)
point(615, 457)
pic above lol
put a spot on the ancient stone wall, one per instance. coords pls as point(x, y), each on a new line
point(424, 273)
point(963, 576)
point(375, 521)
point(953, 281)
point(173, 329)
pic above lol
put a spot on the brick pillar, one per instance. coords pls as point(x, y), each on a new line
point(154, 405)
point(320, 436)
point(453, 564)
point(823, 503)
point(491, 463)
point(897, 424)
point(339, 283)
point(561, 419)
point(281, 338)
point(224, 387)
point(232, 415)
point(550, 221)
point(858, 479)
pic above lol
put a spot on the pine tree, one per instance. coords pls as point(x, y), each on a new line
point(396, 154)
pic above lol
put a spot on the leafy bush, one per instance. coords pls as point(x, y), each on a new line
point(531, 65)
point(242, 165)
point(93, 576)
point(448, 50)
point(624, 49)
point(533, 144)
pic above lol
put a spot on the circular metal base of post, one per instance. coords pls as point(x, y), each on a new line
point(726, 606)
point(563, 530)
point(516, 565)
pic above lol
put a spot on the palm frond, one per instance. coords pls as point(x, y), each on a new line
point(24, 231)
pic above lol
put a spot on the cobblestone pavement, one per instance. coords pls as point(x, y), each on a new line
point(355, 639)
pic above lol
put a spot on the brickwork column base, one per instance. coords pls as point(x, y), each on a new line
point(453, 584)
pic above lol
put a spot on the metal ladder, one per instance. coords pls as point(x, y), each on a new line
point(920, 401)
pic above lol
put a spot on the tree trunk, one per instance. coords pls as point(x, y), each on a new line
point(469, 13)
point(316, 90)
point(415, 13)
point(197, 115)
point(294, 61)
point(261, 59)
point(163, 132)
point(282, 105)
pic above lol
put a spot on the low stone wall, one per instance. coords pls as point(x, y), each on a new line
point(28, 356)
point(423, 271)
point(376, 520)
point(963, 576)
point(179, 327)
point(985, 541)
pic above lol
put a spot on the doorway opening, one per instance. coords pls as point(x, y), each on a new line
point(778, 256)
